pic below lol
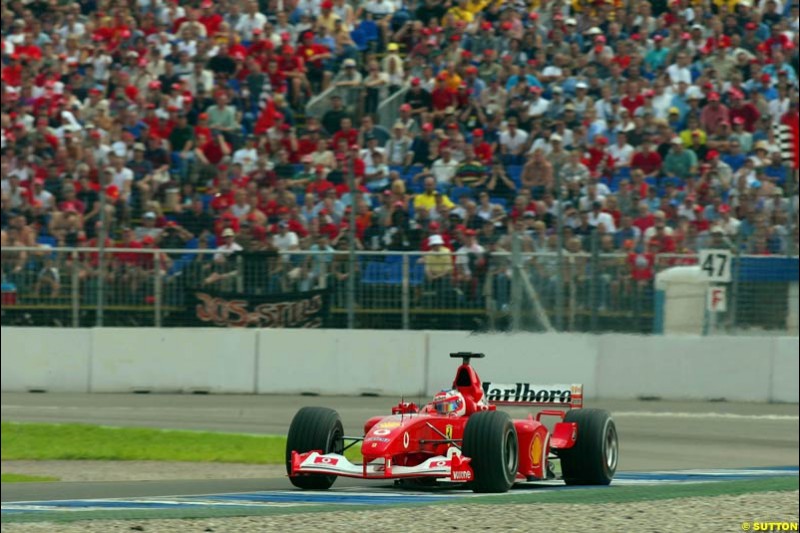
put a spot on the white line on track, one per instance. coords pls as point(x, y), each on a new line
point(728, 416)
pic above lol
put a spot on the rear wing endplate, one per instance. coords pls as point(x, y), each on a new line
point(527, 394)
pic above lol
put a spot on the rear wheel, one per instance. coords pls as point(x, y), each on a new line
point(490, 441)
point(594, 457)
point(314, 428)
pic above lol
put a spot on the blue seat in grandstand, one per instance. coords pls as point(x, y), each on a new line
point(179, 264)
point(393, 273)
point(651, 181)
point(623, 173)
point(416, 274)
point(515, 173)
point(47, 240)
point(360, 39)
point(372, 273)
point(676, 182)
point(499, 201)
point(394, 259)
point(397, 168)
point(370, 30)
point(457, 192)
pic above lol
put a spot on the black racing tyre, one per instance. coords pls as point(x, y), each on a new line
point(594, 457)
point(490, 441)
point(314, 428)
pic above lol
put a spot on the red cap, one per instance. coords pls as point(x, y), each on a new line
point(472, 69)
point(765, 78)
point(434, 226)
point(699, 208)
point(202, 116)
point(658, 38)
point(326, 4)
point(148, 239)
point(738, 120)
point(601, 140)
point(452, 126)
point(466, 54)
point(477, 132)
point(600, 39)
point(455, 37)
point(470, 233)
point(724, 208)
point(415, 82)
point(711, 155)
point(505, 26)
point(398, 203)
point(486, 25)
point(206, 3)
point(686, 36)
point(751, 26)
point(427, 127)
point(442, 76)
point(713, 97)
point(405, 107)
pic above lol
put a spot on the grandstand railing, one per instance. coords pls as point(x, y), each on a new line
point(66, 287)
point(389, 109)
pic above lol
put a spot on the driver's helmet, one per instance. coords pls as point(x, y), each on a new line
point(449, 402)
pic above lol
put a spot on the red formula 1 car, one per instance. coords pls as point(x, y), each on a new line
point(461, 437)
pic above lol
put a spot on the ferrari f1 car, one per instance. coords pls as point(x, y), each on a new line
point(461, 437)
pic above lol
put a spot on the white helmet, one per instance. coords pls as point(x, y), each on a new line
point(450, 402)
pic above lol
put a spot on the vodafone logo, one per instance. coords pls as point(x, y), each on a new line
point(325, 461)
point(381, 432)
point(440, 464)
point(405, 439)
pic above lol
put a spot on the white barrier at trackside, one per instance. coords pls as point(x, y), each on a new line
point(54, 360)
point(173, 360)
point(394, 363)
point(329, 362)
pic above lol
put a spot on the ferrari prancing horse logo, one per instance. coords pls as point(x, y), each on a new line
point(448, 432)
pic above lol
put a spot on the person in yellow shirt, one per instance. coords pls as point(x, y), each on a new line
point(427, 199)
point(439, 263)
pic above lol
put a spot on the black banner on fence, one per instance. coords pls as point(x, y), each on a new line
point(235, 310)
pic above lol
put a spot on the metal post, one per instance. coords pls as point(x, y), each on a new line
point(239, 273)
point(158, 289)
point(405, 294)
point(559, 257)
point(789, 192)
point(102, 236)
point(516, 282)
point(351, 249)
point(734, 297)
point(76, 293)
point(594, 280)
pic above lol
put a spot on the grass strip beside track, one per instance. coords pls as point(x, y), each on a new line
point(589, 496)
point(22, 478)
point(27, 441)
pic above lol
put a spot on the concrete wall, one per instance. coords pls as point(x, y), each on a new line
point(394, 363)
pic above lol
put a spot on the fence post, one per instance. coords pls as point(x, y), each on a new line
point(594, 280)
point(239, 274)
point(405, 292)
point(75, 292)
point(737, 266)
point(516, 282)
point(158, 289)
point(101, 262)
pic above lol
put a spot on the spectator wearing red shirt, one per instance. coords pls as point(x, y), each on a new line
point(747, 111)
point(647, 160)
point(645, 220)
point(633, 100)
point(442, 96)
point(209, 18)
point(211, 151)
point(348, 133)
point(314, 56)
point(320, 183)
point(481, 148)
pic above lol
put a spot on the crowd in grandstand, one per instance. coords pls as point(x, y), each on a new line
point(651, 123)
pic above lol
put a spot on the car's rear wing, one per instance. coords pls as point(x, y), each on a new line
point(525, 394)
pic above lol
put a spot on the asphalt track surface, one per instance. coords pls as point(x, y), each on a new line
point(654, 435)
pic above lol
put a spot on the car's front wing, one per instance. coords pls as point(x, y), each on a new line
point(454, 468)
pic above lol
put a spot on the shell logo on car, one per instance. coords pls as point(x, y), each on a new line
point(536, 450)
point(389, 424)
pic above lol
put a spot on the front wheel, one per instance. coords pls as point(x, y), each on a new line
point(314, 428)
point(490, 441)
point(594, 457)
